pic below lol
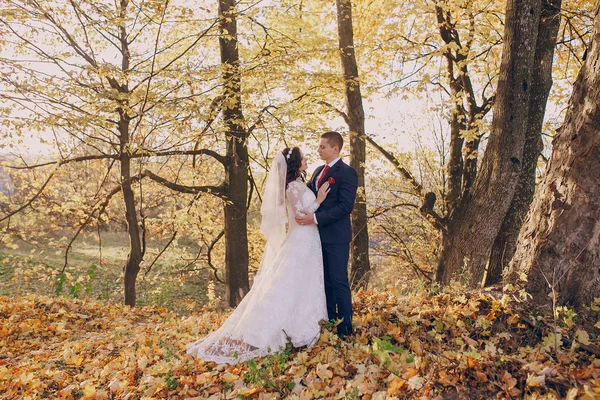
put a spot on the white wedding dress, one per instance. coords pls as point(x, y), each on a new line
point(287, 299)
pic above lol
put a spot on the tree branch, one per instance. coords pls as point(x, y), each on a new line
point(215, 105)
point(209, 257)
point(211, 153)
point(24, 206)
point(138, 154)
point(219, 191)
point(260, 116)
point(418, 188)
point(100, 209)
point(161, 253)
point(418, 270)
point(67, 161)
point(380, 211)
point(336, 110)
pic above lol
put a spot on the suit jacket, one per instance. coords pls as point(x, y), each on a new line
point(333, 216)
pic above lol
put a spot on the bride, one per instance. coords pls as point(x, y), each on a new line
point(287, 299)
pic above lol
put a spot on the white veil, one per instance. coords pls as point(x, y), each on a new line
point(273, 211)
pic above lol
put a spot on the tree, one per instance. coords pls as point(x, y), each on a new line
point(142, 108)
point(558, 247)
point(505, 243)
point(355, 118)
point(236, 230)
point(472, 229)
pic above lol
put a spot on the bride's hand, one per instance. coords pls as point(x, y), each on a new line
point(323, 191)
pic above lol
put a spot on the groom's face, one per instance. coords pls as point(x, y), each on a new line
point(327, 152)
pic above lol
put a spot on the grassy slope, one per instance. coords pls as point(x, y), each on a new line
point(100, 275)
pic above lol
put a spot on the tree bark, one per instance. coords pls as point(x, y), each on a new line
point(134, 258)
point(479, 216)
point(462, 161)
point(505, 243)
point(559, 245)
point(360, 265)
point(132, 266)
point(236, 167)
point(455, 165)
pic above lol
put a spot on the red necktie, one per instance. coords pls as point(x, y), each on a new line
point(322, 176)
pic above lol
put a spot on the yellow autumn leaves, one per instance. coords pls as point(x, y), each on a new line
point(404, 347)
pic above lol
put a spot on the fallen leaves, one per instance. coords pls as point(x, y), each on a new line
point(471, 346)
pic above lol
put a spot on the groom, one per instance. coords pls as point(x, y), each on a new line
point(333, 221)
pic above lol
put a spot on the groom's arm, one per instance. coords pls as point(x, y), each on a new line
point(347, 196)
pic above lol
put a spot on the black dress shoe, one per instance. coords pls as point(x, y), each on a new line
point(344, 331)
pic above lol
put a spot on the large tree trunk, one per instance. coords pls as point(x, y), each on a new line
point(477, 220)
point(559, 245)
point(505, 243)
point(236, 231)
point(360, 266)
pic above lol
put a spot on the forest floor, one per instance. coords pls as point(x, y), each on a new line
point(457, 344)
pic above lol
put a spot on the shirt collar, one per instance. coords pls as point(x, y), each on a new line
point(331, 164)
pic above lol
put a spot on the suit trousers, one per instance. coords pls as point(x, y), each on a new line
point(337, 289)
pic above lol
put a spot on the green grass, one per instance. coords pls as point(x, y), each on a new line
point(99, 276)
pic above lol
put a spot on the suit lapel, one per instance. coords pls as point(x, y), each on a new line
point(331, 170)
point(313, 180)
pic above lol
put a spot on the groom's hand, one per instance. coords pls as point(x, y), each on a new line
point(305, 219)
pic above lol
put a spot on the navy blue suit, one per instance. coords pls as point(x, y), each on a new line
point(335, 229)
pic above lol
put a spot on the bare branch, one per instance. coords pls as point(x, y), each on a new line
point(418, 188)
point(336, 110)
point(253, 185)
point(184, 52)
point(260, 116)
point(209, 257)
point(161, 253)
point(27, 204)
point(211, 153)
point(101, 210)
point(408, 255)
point(219, 191)
point(140, 154)
point(67, 161)
point(380, 211)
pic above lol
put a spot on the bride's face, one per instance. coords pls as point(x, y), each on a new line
point(304, 163)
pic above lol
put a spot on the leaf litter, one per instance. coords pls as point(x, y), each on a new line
point(458, 344)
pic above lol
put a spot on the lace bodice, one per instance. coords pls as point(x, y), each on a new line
point(300, 200)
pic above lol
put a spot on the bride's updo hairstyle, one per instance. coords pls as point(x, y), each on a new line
point(293, 158)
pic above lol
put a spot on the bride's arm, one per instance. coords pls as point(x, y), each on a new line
point(294, 193)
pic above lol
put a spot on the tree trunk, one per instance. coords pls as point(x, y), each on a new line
point(462, 161)
point(455, 165)
point(478, 218)
point(132, 266)
point(559, 245)
point(505, 243)
point(360, 266)
point(236, 231)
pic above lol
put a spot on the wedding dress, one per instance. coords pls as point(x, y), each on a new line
point(287, 300)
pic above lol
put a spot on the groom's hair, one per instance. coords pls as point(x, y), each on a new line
point(334, 139)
